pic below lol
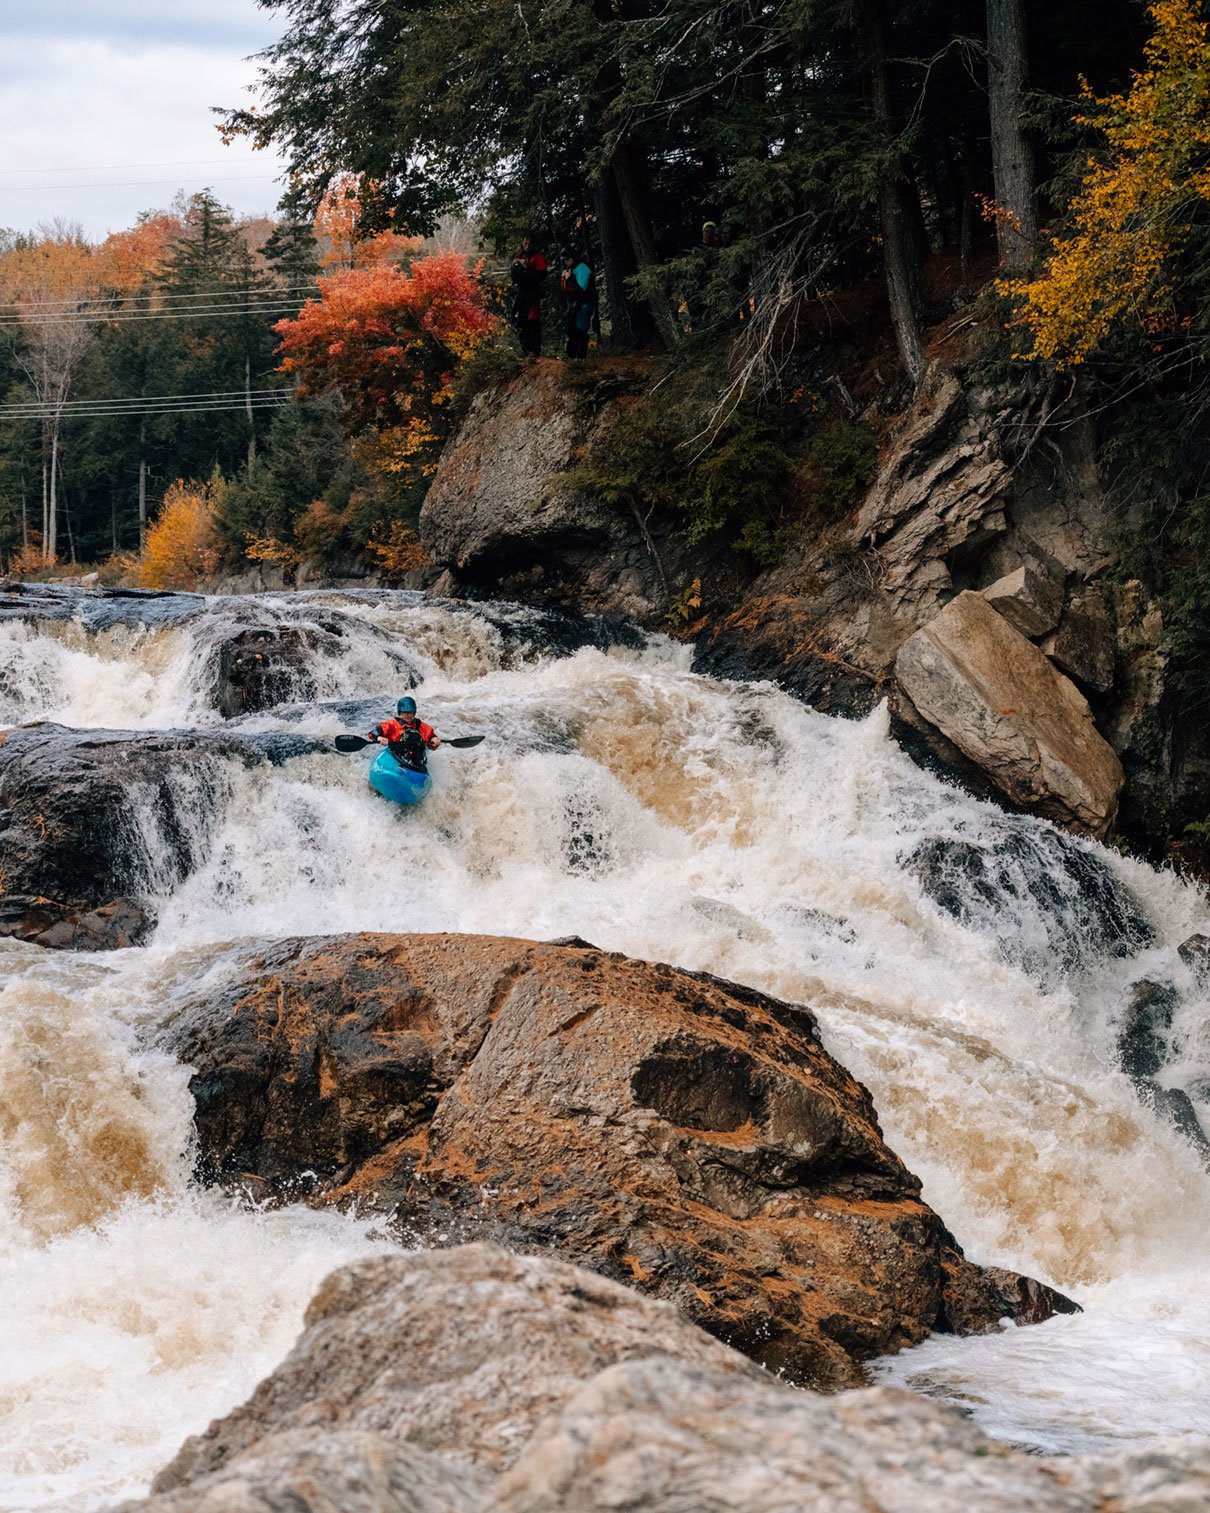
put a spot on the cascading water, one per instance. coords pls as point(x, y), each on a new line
point(971, 968)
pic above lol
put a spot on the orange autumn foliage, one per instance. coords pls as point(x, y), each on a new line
point(1132, 215)
point(130, 256)
point(181, 546)
point(388, 341)
point(336, 230)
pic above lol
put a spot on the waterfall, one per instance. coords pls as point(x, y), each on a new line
point(973, 968)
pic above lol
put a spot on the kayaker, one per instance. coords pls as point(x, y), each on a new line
point(408, 738)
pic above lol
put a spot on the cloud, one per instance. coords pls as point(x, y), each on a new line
point(239, 25)
point(90, 119)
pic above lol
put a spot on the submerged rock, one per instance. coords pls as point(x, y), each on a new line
point(263, 666)
point(685, 1135)
point(95, 823)
point(1195, 953)
point(1143, 1050)
point(1002, 703)
point(1050, 903)
point(472, 1381)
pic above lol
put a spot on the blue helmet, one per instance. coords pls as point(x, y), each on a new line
point(406, 705)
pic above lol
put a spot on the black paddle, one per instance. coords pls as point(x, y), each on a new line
point(356, 742)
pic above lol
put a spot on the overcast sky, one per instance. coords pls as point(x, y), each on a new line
point(105, 107)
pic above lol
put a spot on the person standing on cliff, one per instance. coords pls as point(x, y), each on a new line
point(528, 274)
point(580, 291)
point(407, 737)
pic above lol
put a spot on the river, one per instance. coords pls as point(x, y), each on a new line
point(624, 799)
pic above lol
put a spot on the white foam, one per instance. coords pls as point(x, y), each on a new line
point(727, 829)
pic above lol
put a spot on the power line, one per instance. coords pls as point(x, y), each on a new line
point(220, 293)
point(119, 167)
point(227, 178)
point(236, 406)
point(124, 399)
point(101, 317)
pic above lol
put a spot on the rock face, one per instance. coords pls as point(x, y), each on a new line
point(681, 1134)
point(498, 514)
point(998, 699)
point(773, 638)
point(941, 490)
point(459, 1353)
point(474, 1381)
point(93, 822)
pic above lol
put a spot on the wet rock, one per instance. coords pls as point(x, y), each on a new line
point(47, 922)
point(1143, 1038)
point(95, 822)
point(1028, 598)
point(1083, 644)
point(685, 1135)
point(265, 666)
point(1006, 708)
point(1050, 904)
point(1195, 953)
point(984, 1291)
point(776, 639)
point(457, 1353)
point(1143, 1051)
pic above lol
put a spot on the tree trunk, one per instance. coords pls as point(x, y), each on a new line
point(968, 185)
point(1012, 156)
point(896, 234)
point(630, 323)
point(633, 200)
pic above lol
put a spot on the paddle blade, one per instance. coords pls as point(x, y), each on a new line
point(463, 740)
point(351, 742)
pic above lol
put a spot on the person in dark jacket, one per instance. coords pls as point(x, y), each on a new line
point(528, 275)
point(580, 291)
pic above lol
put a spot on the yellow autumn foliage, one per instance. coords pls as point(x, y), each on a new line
point(1132, 214)
point(181, 547)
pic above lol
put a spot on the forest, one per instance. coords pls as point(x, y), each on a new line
point(741, 177)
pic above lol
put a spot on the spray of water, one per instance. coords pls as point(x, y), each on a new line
point(728, 829)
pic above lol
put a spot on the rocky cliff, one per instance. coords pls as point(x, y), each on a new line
point(977, 587)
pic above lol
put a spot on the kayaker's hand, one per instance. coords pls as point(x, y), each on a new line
point(434, 743)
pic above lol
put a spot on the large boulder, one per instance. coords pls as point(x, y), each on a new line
point(478, 1382)
point(501, 514)
point(93, 823)
point(685, 1135)
point(457, 1353)
point(1002, 703)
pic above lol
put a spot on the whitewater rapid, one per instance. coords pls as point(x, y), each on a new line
point(621, 798)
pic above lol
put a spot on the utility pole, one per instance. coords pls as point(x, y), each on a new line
point(142, 503)
point(248, 405)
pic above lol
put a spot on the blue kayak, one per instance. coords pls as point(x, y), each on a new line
point(399, 784)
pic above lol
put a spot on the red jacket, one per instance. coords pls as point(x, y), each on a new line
point(395, 730)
